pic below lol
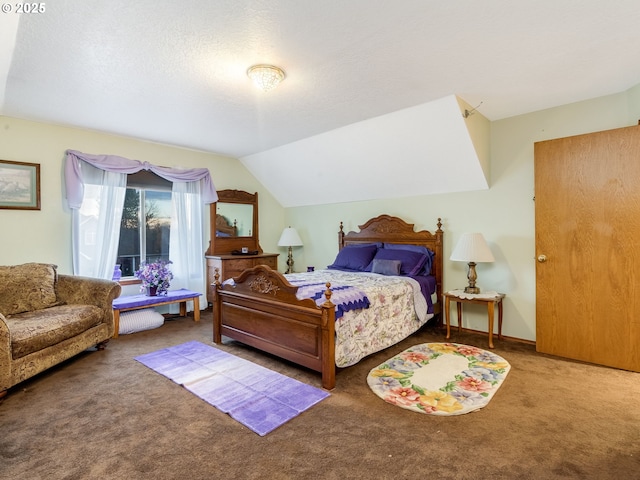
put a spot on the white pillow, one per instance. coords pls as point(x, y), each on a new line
point(138, 320)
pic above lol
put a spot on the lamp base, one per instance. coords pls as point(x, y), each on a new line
point(290, 261)
point(472, 277)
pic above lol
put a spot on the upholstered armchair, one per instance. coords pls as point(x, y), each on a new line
point(46, 318)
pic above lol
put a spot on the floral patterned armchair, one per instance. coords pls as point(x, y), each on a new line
point(46, 318)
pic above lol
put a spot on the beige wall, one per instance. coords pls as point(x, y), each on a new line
point(504, 213)
point(45, 235)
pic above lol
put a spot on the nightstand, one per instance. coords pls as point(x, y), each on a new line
point(490, 299)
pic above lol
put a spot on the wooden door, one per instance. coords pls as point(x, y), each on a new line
point(587, 213)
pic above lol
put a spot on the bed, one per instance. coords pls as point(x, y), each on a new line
point(261, 307)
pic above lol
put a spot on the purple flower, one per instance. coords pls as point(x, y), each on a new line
point(483, 374)
point(385, 383)
point(155, 274)
point(467, 397)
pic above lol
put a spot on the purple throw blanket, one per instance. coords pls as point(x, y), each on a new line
point(344, 297)
point(427, 287)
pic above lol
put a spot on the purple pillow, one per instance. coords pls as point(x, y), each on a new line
point(426, 270)
point(354, 258)
point(411, 262)
point(385, 267)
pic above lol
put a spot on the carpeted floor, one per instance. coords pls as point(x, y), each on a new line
point(104, 415)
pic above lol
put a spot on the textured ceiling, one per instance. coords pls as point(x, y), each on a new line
point(174, 72)
point(365, 79)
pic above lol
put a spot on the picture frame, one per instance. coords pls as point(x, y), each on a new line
point(19, 185)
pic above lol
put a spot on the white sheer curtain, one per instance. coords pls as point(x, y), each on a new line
point(96, 224)
point(96, 187)
point(186, 244)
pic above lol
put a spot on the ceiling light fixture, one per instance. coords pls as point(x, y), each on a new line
point(266, 77)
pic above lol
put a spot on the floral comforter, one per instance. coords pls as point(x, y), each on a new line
point(397, 309)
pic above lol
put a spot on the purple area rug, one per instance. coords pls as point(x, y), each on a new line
point(255, 396)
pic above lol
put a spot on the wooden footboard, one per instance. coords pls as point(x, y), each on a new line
point(261, 309)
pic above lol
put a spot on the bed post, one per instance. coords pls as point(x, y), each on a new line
point(438, 272)
point(341, 237)
point(328, 341)
point(439, 264)
point(217, 318)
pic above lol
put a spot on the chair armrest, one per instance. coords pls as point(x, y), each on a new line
point(72, 289)
point(5, 355)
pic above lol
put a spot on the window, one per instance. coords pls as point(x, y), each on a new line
point(96, 191)
point(146, 222)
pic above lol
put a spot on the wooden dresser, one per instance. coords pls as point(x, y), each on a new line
point(233, 265)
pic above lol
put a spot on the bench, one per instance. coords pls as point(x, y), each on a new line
point(136, 302)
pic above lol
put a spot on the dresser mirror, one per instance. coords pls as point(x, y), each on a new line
point(234, 219)
point(235, 244)
point(234, 223)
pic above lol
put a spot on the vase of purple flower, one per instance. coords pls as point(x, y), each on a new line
point(152, 291)
point(155, 277)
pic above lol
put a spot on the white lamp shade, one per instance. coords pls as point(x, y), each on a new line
point(289, 238)
point(472, 248)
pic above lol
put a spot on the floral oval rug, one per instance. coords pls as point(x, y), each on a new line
point(440, 378)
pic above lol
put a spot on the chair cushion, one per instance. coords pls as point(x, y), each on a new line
point(31, 286)
point(37, 330)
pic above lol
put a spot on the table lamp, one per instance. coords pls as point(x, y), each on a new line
point(472, 248)
point(290, 238)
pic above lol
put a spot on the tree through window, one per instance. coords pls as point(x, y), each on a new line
point(146, 222)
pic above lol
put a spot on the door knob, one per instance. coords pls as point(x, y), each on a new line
point(542, 258)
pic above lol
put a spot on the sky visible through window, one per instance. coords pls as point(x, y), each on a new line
point(151, 242)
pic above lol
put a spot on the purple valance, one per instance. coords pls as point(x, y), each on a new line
point(113, 163)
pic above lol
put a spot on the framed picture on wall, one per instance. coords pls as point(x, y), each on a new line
point(19, 185)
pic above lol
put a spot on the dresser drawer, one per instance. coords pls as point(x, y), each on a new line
point(230, 266)
point(271, 262)
point(241, 264)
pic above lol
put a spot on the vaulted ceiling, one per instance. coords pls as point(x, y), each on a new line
point(175, 72)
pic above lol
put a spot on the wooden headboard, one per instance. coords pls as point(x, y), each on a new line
point(386, 228)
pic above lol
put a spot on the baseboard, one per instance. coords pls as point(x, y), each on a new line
point(495, 335)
